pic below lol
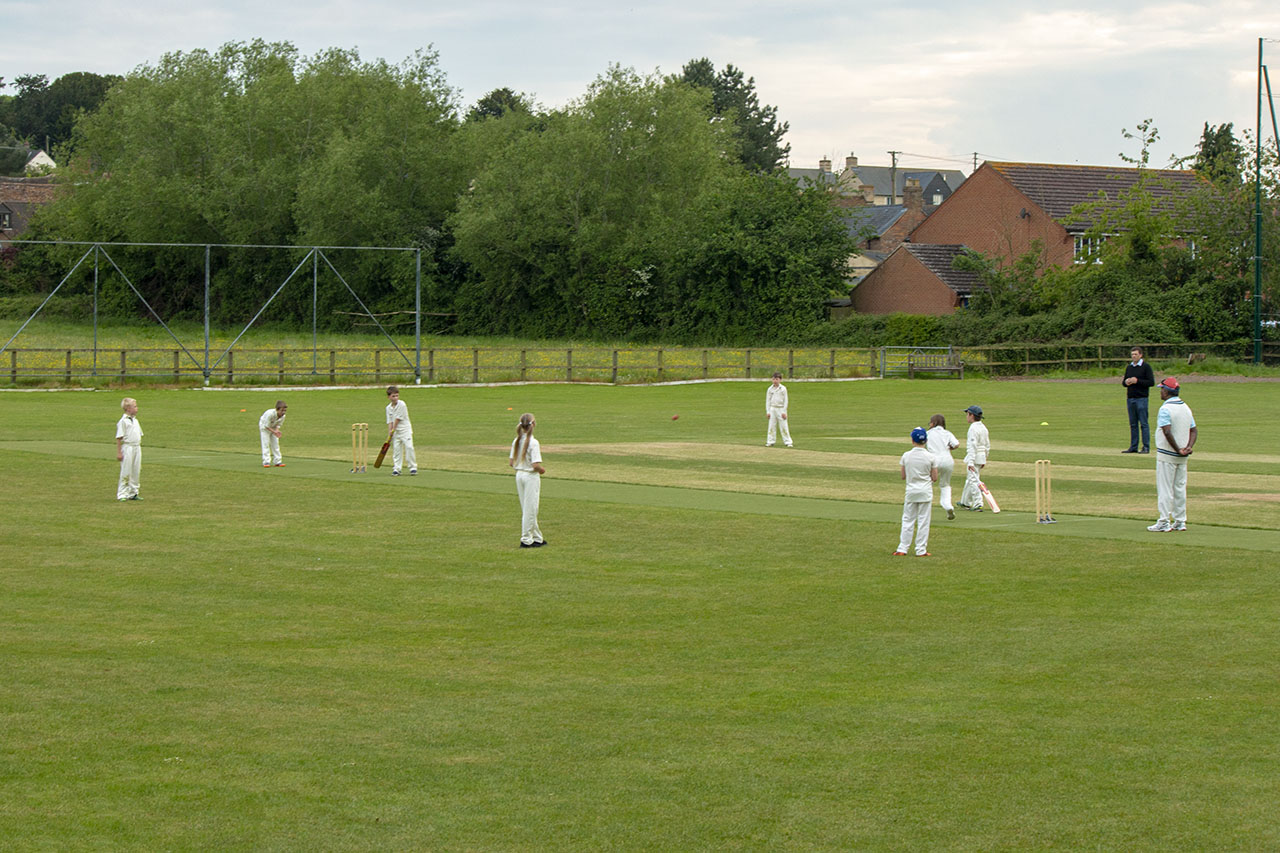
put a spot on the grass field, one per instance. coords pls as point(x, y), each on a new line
point(716, 651)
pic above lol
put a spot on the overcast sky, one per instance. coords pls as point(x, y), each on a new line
point(1033, 81)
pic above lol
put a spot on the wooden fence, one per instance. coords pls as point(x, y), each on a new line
point(71, 366)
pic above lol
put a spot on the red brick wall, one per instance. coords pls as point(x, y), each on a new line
point(902, 283)
point(985, 215)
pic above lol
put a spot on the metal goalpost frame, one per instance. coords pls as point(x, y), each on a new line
point(314, 254)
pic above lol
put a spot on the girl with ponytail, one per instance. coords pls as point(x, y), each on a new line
point(526, 458)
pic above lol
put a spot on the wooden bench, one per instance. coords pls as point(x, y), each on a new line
point(934, 363)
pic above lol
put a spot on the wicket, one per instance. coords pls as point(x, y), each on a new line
point(359, 448)
point(1044, 492)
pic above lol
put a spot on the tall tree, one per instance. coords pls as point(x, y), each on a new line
point(1219, 156)
point(499, 103)
point(733, 97)
point(45, 113)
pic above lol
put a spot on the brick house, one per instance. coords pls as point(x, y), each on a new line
point(916, 279)
point(1003, 207)
point(19, 198)
point(1000, 211)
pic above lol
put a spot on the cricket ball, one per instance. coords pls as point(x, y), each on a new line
point(675, 417)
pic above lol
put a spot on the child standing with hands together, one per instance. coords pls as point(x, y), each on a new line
point(526, 458)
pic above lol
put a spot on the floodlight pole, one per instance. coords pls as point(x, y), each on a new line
point(95, 310)
point(315, 301)
point(417, 316)
point(1257, 222)
point(206, 313)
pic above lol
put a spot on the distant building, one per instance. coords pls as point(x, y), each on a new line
point(882, 185)
point(19, 198)
point(39, 163)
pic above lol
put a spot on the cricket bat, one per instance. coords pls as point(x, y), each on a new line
point(386, 445)
point(986, 493)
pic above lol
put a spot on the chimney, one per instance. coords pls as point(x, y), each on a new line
point(913, 195)
point(851, 162)
point(824, 165)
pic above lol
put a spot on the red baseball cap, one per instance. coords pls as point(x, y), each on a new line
point(1170, 382)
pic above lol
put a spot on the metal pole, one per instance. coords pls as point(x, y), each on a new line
point(315, 292)
point(95, 310)
point(206, 314)
point(1257, 223)
point(417, 317)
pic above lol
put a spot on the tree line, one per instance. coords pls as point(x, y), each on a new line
point(651, 206)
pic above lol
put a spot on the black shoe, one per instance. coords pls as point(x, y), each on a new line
point(1130, 450)
point(1145, 450)
point(539, 544)
point(528, 544)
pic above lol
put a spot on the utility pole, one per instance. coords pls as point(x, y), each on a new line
point(1257, 222)
point(975, 161)
point(893, 177)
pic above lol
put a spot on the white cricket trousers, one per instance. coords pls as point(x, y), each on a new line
point(529, 489)
point(270, 447)
point(972, 495)
point(1171, 490)
point(130, 471)
point(776, 420)
point(915, 519)
point(402, 451)
point(946, 467)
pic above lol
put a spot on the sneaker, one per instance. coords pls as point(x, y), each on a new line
point(136, 498)
point(951, 515)
point(528, 545)
point(1160, 526)
point(1130, 450)
point(790, 445)
point(279, 464)
point(976, 508)
point(413, 472)
point(899, 553)
point(1145, 450)
point(767, 444)
point(395, 473)
point(1178, 525)
point(925, 554)
point(266, 464)
point(539, 544)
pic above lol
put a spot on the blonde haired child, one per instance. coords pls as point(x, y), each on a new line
point(129, 451)
point(526, 458)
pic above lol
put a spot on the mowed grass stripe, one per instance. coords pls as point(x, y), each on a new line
point(684, 498)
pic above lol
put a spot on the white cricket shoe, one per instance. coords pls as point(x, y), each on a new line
point(1160, 526)
point(1178, 525)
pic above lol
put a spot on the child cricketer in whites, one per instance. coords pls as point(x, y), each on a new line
point(526, 458)
point(941, 443)
point(920, 471)
point(129, 451)
point(269, 426)
point(977, 447)
point(775, 409)
point(400, 433)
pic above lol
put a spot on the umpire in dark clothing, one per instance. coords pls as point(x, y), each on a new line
point(1138, 379)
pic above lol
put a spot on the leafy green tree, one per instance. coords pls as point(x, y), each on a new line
point(1219, 156)
point(45, 113)
point(759, 135)
point(499, 103)
point(254, 144)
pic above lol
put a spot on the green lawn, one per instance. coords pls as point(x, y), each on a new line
point(714, 652)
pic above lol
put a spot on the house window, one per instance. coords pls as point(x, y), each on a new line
point(1089, 249)
point(4, 221)
point(937, 198)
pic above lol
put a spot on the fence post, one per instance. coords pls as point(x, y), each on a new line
point(1065, 352)
point(13, 365)
point(524, 365)
point(475, 365)
point(177, 372)
point(791, 364)
point(568, 365)
point(1099, 356)
point(377, 365)
point(748, 364)
point(704, 364)
point(122, 362)
point(333, 366)
point(281, 366)
point(1026, 360)
point(431, 366)
point(614, 377)
point(659, 364)
point(231, 369)
point(831, 367)
point(68, 367)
